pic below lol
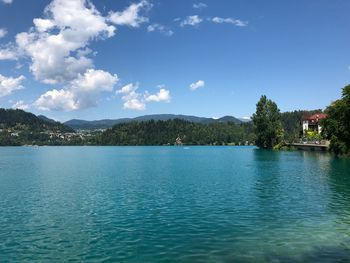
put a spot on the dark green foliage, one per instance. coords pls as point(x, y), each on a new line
point(165, 133)
point(267, 123)
point(336, 126)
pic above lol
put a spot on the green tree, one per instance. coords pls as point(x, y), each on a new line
point(267, 123)
point(336, 127)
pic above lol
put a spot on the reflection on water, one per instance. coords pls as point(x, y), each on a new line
point(170, 204)
point(310, 214)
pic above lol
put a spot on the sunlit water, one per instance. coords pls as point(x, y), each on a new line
point(173, 204)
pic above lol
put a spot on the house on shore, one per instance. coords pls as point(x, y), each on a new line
point(312, 123)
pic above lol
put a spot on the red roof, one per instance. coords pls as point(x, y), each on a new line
point(316, 117)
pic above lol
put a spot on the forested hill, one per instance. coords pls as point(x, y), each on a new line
point(21, 120)
point(18, 127)
point(166, 132)
point(108, 123)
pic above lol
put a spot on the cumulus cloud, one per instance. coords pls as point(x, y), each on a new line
point(197, 85)
point(134, 104)
point(131, 16)
point(163, 95)
point(132, 99)
point(9, 84)
point(57, 100)
point(7, 1)
point(236, 22)
point(135, 100)
point(82, 92)
point(3, 32)
point(191, 21)
point(160, 28)
point(21, 105)
point(54, 42)
point(200, 5)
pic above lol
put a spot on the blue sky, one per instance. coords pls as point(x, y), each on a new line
point(110, 59)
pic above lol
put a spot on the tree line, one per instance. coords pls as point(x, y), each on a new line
point(166, 132)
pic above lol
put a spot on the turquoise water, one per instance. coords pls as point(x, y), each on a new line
point(173, 204)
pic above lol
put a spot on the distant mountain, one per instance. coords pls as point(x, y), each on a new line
point(21, 120)
point(108, 123)
point(229, 119)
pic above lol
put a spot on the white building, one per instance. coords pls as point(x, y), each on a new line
point(312, 123)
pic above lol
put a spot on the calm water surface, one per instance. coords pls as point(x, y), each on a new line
point(173, 204)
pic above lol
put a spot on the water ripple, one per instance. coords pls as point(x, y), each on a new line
point(168, 204)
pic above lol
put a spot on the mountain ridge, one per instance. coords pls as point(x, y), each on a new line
point(78, 124)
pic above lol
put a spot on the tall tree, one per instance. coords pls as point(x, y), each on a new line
point(336, 126)
point(267, 123)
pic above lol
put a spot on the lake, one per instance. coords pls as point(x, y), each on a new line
point(173, 204)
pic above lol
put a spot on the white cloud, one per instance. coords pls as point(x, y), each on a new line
point(191, 21)
point(127, 89)
point(54, 43)
point(137, 101)
point(162, 96)
point(160, 28)
point(131, 16)
point(197, 85)
point(43, 25)
point(3, 32)
point(8, 85)
point(95, 80)
point(20, 105)
point(236, 22)
point(200, 5)
point(7, 1)
point(58, 100)
point(134, 104)
point(132, 99)
point(8, 54)
point(83, 92)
